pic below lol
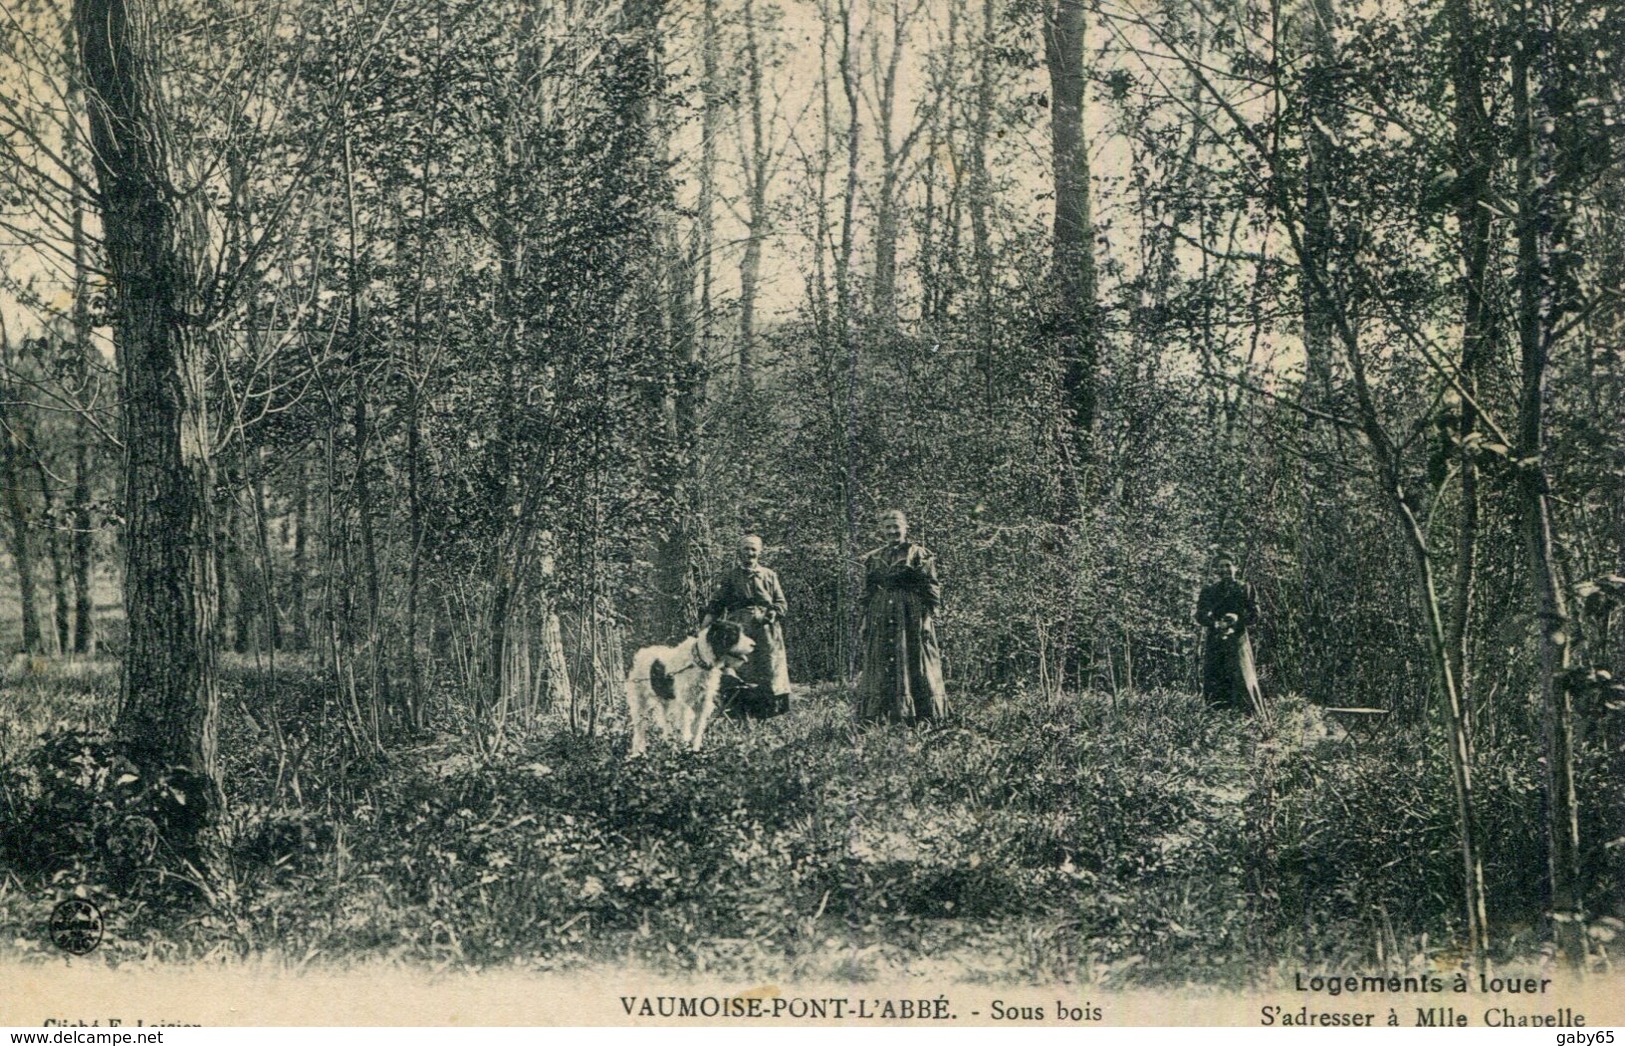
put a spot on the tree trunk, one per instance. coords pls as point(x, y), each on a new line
point(846, 399)
point(677, 553)
point(1460, 748)
point(1474, 146)
point(1071, 309)
point(1072, 318)
point(757, 168)
point(560, 693)
point(884, 286)
point(237, 563)
point(298, 615)
point(705, 205)
point(414, 563)
point(981, 195)
point(157, 245)
point(1322, 113)
point(1322, 523)
point(356, 326)
point(377, 669)
point(84, 596)
point(271, 621)
point(1537, 309)
point(80, 514)
point(62, 618)
point(79, 517)
point(22, 549)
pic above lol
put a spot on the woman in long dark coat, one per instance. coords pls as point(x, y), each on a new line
point(1226, 609)
point(902, 663)
point(750, 595)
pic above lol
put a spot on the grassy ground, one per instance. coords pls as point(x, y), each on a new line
point(1144, 841)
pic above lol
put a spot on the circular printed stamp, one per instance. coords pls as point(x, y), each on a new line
point(76, 926)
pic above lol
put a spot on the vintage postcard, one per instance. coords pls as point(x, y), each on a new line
point(852, 513)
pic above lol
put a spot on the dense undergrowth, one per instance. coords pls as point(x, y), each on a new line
point(1146, 840)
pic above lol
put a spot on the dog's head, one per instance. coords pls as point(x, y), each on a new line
point(728, 642)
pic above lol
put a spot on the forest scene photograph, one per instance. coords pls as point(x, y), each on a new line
point(1111, 493)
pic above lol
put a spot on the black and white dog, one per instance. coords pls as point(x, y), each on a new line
point(676, 686)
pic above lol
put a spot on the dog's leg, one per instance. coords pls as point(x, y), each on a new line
point(707, 707)
point(681, 723)
point(665, 713)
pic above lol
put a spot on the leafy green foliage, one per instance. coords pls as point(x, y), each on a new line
point(1143, 840)
point(81, 811)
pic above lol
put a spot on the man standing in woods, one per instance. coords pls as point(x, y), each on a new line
point(1226, 609)
point(902, 663)
point(751, 596)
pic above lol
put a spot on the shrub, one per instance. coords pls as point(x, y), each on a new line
point(79, 805)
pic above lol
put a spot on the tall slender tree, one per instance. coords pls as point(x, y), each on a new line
point(17, 511)
point(1474, 154)
point(157, 244)
point(1540, 306)
point(1072, 313)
